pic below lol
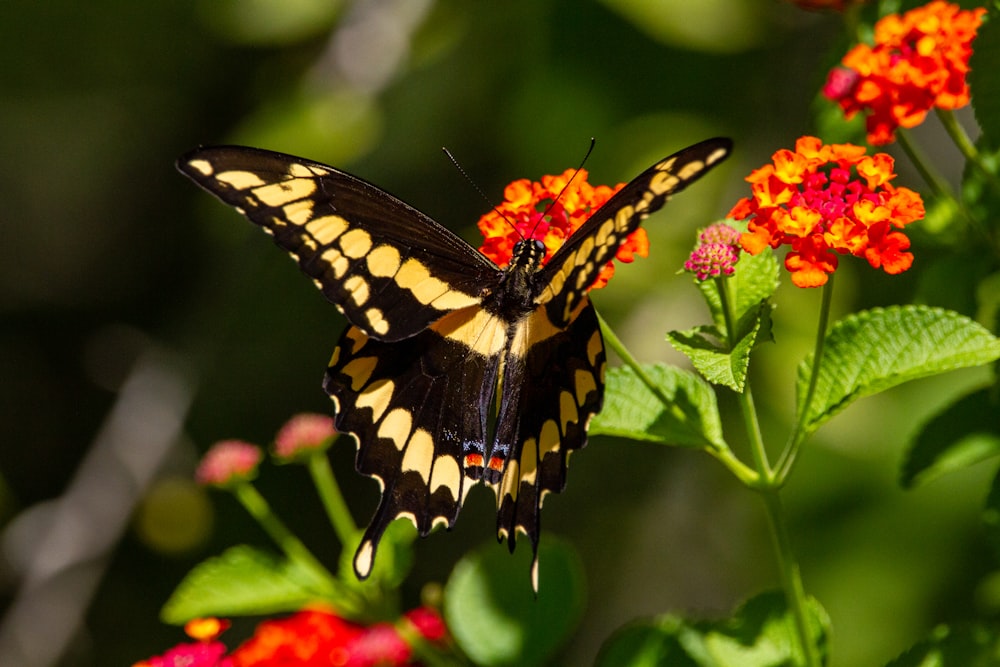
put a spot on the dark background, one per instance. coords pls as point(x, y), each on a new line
point(109, 256)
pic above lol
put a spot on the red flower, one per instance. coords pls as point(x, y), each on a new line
point(919, 62)
point(309, 638)
point(205, 653)
point(228, 462)
point(551, 211)
point(821, 200)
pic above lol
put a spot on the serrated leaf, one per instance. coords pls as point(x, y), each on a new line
point(965, 433)
point(871, 351)
point(495, 617)
point(968, 646)
point(761, 633)
point(984, 79)
point(241, 581)
point(632, 410)
point(710, 357)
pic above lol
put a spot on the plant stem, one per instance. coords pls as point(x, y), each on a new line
point(937, 183)
point(332, 498)
point(791, 576)
point(800, 430)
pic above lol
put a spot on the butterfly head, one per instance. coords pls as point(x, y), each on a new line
point(527, 255)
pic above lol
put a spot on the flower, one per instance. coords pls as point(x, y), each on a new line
point(304, 434)
point(716, 254)
point(550, 211)
point(826, 200)
point(919, 62)
point(204, 653)
point(309, 638)
point(228, 462)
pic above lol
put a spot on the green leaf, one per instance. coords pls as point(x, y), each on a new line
point(984, 79)
point(970, 646)
point(761, 633)
point(495, 617)
point(874, 350)
point(710, 356)
point(967, 432)
point(241, 581)
point(632, 410)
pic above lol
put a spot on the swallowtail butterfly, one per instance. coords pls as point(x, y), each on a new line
point(453, 370)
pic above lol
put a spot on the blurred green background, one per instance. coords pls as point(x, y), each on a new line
point(115, 270)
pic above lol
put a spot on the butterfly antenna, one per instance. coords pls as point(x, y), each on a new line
point(548, 208)
point(482, 194)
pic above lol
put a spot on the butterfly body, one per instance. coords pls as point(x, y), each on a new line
point(454, 370)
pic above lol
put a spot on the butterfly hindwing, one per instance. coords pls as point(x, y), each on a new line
point(388, 267)
point(563, 281)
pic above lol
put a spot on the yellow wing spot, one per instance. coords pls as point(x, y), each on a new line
point(338, 263)
point(240, 180)
point(419, 454)
point(568, 412)
point(363, 559)
point(594, 347)
point(584, 383)
point(383, 261)
point(446, 473)
point(285, 192)
point(300, 171)
point(327, 228)
point(583, 252)
point(396, 426)
point(359, 370)
point(691, 169)
point(358, 289)
point(529, 461)
point(376, 321)
point(299, 212)
point(356, 243)
point(605, 234)
point(203, 167)
point(474, 328)
point(509, 483)
point(623, 218)
point(663, 182)
point(453, 300)
point(376, 396)
point(548, 439)
point(535, 328)
point(584, 276)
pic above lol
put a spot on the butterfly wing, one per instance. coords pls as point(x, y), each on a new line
point(562, 283)
point(388, 267)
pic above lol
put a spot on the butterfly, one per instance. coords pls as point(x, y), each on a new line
point(453, 370)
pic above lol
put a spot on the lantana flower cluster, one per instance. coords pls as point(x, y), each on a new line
point(308, 638)
point(824, 200)
point(550, 210)
point(919, 61)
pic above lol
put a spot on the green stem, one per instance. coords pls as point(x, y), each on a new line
point(930, 175)
point(722, 454)
point(332, 498)
point(799, 432)
point(791, 575)
point(257, 506)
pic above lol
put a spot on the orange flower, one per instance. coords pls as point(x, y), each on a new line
point(548, 212)
point(919, 62)
point(823, 200)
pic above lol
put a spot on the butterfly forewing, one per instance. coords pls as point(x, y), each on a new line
point(388, 267)
point(563, 281)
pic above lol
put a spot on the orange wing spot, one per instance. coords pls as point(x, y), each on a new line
point(474, 461)
point(496, 463)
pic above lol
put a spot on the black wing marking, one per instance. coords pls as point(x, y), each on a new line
point(562, 283)
point(388, 267)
